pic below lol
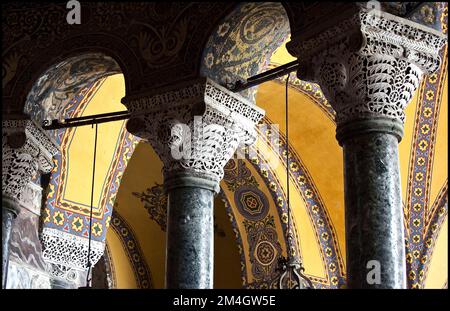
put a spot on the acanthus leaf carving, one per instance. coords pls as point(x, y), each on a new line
point(370, 64)
point(195, 128)
point(26, 150)
point(70, 251)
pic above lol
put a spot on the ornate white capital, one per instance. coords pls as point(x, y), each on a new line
point(67, 251)
point(26, 149)
point(368, 65)
point(195, 129)
point(72, 277)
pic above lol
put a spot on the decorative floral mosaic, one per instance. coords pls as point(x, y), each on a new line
point(155, 202)
point(326, 236)
point(260, 231)
point(243, 43)
point(431, 14)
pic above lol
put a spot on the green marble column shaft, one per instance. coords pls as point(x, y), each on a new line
point(190, 233)
point(373, 203)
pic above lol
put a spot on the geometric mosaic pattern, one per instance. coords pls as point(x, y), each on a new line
point(423, 217)
point(73, 218)
point(262, 237)
point(242, 44)
point(133, 250)
point(325, 234)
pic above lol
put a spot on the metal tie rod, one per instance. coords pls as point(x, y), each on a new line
point(86, 120)
point(122, 115)
point(265, 76)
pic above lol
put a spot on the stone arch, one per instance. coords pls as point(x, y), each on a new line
point(102, 49)
point(149, 55)
point(64, 91)
point(242, 44)
point(57, 86)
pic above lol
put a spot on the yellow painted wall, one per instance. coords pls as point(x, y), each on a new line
point(143, 170)
point(80, 151)
point(281, 56)
point(405, 146)
point(308, 245)
point(312, 135)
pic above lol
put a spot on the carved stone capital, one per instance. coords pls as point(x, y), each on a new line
point(370, 64)
point(196, 128)
point(64, 275)
point(26, 150)
point(68, 251)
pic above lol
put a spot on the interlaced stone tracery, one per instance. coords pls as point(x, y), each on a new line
point(200, 131)
point(28, 152)
point(69, 250)
point(370, 64)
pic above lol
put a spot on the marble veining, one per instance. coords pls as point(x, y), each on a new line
point(374, 214)
point(190, 250)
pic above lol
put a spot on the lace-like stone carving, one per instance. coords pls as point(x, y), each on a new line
point(370, 64)
point(26, 150)
point(60, 271)
point(196, 128)
point(65, 249)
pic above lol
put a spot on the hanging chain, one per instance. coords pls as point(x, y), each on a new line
point(290, 265)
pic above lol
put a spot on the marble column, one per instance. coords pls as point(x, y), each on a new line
point(9, 212)
point(373, 202)
point(195, 128)
point(190, 230)
point(26, 151)
point(369, 65)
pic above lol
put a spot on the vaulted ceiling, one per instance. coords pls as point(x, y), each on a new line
point(44, 70)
